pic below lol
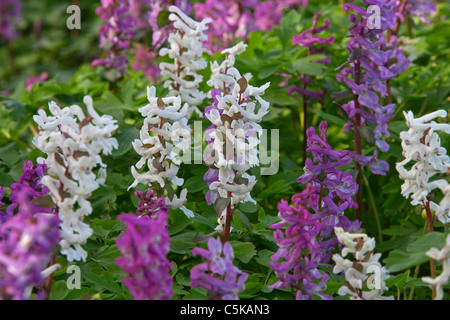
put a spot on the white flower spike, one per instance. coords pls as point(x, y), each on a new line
point(73, 143)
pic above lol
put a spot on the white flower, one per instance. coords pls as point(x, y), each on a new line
point(163, 135)
point(73, 143)
point(186, 49)
point(356, 271)
point(223, 76)
point(442, 256)
point(422, 144)
point(233, 140)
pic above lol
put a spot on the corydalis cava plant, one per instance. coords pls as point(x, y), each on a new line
point(232, 138)
point(10, 10)
point(331, 191)
point(73, 142)
point(299, 255)
point(163, 135)
point(356, 271)
point(422, 146)
point(186, 49)
point(144, 246)
point(372, 62)
point(236, 19)
point(440, 281)
point(28, 237)
point(306, 241)
point(115, 34)
point(217, 274)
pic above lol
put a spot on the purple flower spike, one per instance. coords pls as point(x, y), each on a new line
point(218, 275)
point(150, 205)
point(144, 246)
point(27, 241)
point(10, 11)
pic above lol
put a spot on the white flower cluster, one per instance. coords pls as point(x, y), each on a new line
point(186, 49)
point(73, 143)
point(223, 76)
point(422, 144)
point(442, 256)
point(233, 138)
point(365, 262)
point(163, 136)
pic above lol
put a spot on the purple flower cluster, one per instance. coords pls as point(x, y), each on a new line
point(144, 245)
point(27, 241)
point(308, 241)
point(235, 19)
point(25, 191)
point(115, 34)
point(423, 9)
point(310, 40)
point(299, 255)
point(218, 275)
point(333, 189)
point(372, 61)
point(150, 205)
point(10, 10)
point(27, 238)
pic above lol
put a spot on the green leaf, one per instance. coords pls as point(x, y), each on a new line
point(125, 137)
point(305, 66)
point(243, 251)
point(244, 220)
point(59, 290)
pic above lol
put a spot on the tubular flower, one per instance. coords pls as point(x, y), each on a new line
point(115, 34)
point(10, 10)
point(28, 189)
point(372, 61)
point(186, 49)
point(423, 9)
point(324, 174)
point(365, 262)
point(150, 205)
point(299, 255)
point(443, 256)
point(422, 144)
point(218, 275)
point(27, 240)
point(331, 191)
point(233, 137)
point(144, 245)
point(163, 135)
point(236, 19)
point(310, 40)
point(73, 143)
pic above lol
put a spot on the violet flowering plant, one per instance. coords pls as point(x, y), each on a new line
point(370, 66)
point(308, 240)
point(296, 262)
point(144, 245)
point(217, 274)
point(29, 235)
point(235, 19)
point(115, 35)
point(10, 11)
point(309, 39)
